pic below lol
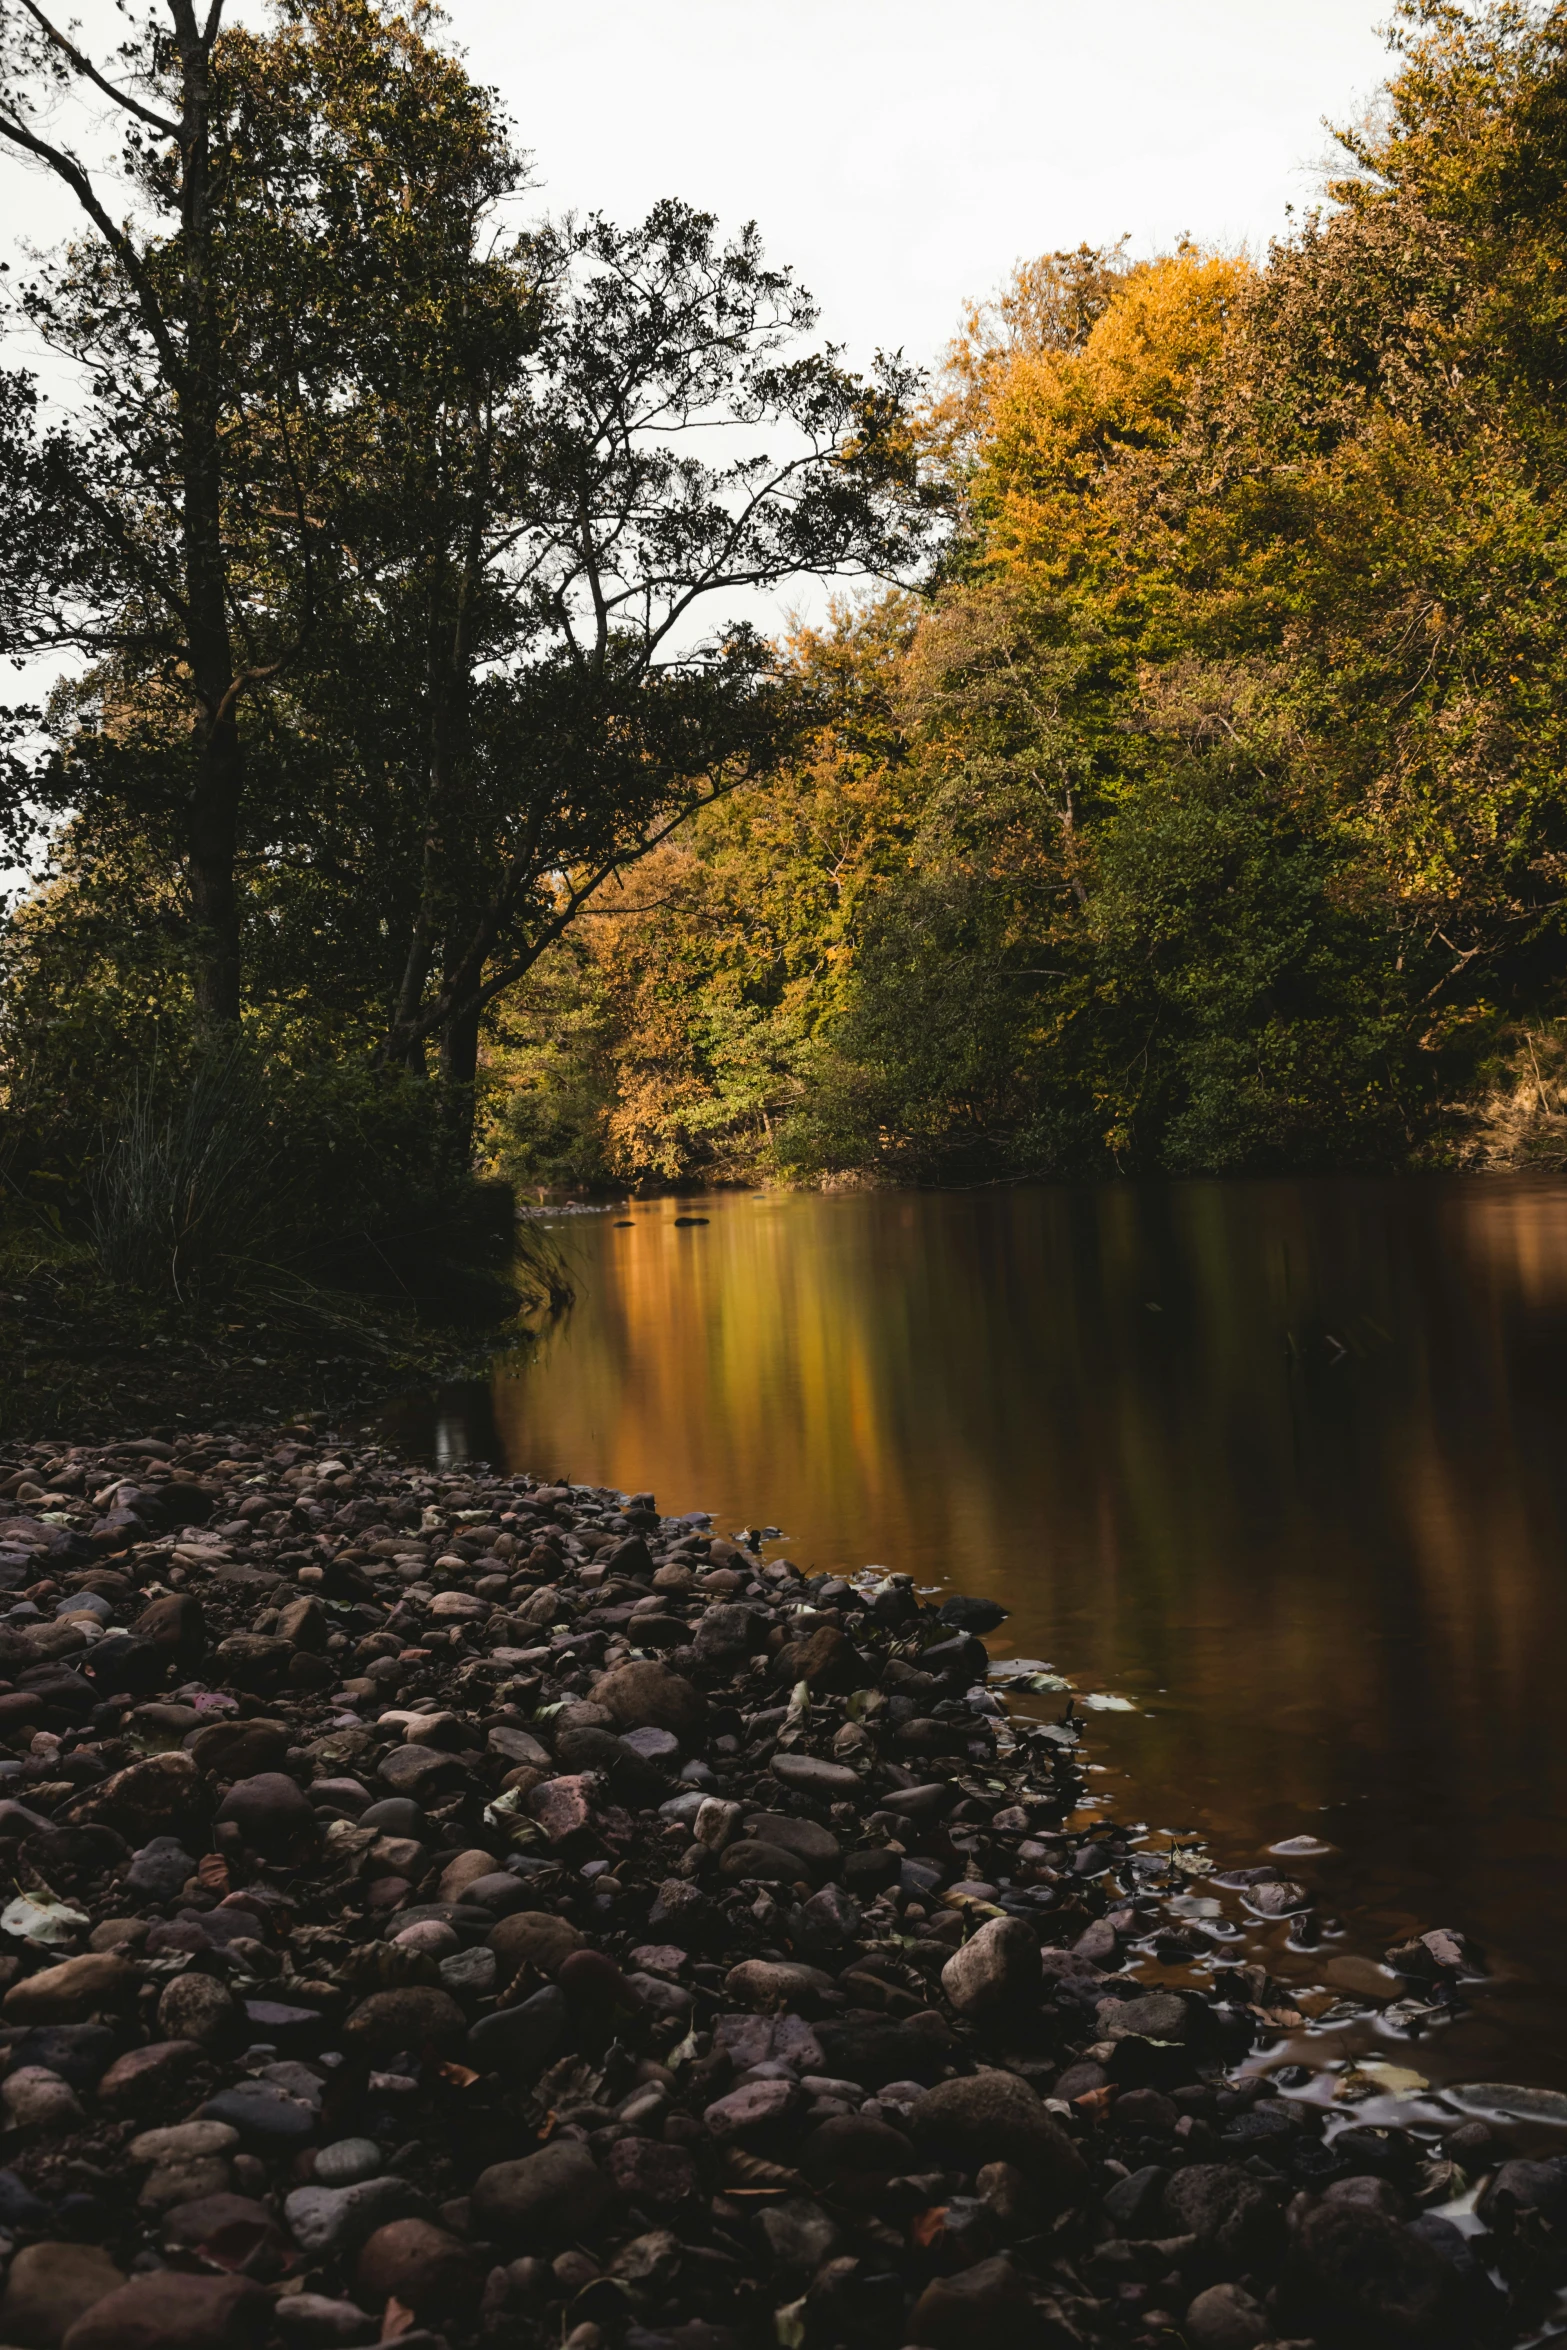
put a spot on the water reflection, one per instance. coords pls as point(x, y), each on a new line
point(1283, 1463)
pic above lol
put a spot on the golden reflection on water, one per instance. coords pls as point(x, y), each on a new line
point(1282, 1462)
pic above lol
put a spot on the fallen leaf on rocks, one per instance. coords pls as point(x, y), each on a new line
point(753, 2172)
point(1372, 2077)
point(42, 1921)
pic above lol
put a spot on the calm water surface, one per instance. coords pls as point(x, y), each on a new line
point(1283, 1464)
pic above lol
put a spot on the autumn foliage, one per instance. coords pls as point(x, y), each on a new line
point(1205, 809)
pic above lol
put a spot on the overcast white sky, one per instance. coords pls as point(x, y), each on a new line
point(903, 153)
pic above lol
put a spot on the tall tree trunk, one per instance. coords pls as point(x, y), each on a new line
point(459, 1075)
point(212, 814)
point(211, 850)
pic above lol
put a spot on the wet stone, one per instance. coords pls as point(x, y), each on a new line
point(1133, 2206)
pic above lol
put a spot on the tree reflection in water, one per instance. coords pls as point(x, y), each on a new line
point(1284, 1462)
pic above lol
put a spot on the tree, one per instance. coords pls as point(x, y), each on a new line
point(537, 532)
point(411, 511)
point(676, 1029)
point(134, 515)
point(295, 194)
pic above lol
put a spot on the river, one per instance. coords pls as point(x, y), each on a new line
point(1281, 1465)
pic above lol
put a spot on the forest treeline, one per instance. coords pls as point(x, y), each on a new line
point(1205, 809)
point(1176, 786)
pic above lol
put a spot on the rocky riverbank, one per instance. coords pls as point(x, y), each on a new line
point(446, 1909)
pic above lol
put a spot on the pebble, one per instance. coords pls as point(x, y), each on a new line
point(1352, 2271)
point(49, 2286)
point(469, 1974)
point(72, 1991)
point(757, 2110)
point(548, 2197)
point(998, 1966)
point(181, 2141)
point(321, 2220)
point(536, 1939)
point(271, 1812)
point(35, 2098)
point(346, 2161)
point(649, 2173)
point(142, 2078)
point(195, 2007)
point(991, 2298)
point(461, 1911)
point(519, 2041)
point(317, 2318)
point(263, 2114)
point(1226, 2317)
point(809, 1775)
point(424, 2267)
point(174, 2311)
point(159, 1869)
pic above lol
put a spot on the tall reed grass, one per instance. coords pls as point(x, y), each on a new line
point(189, 1184)
point(218, 1178)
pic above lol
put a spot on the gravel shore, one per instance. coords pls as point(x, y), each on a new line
point(453, 1910)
